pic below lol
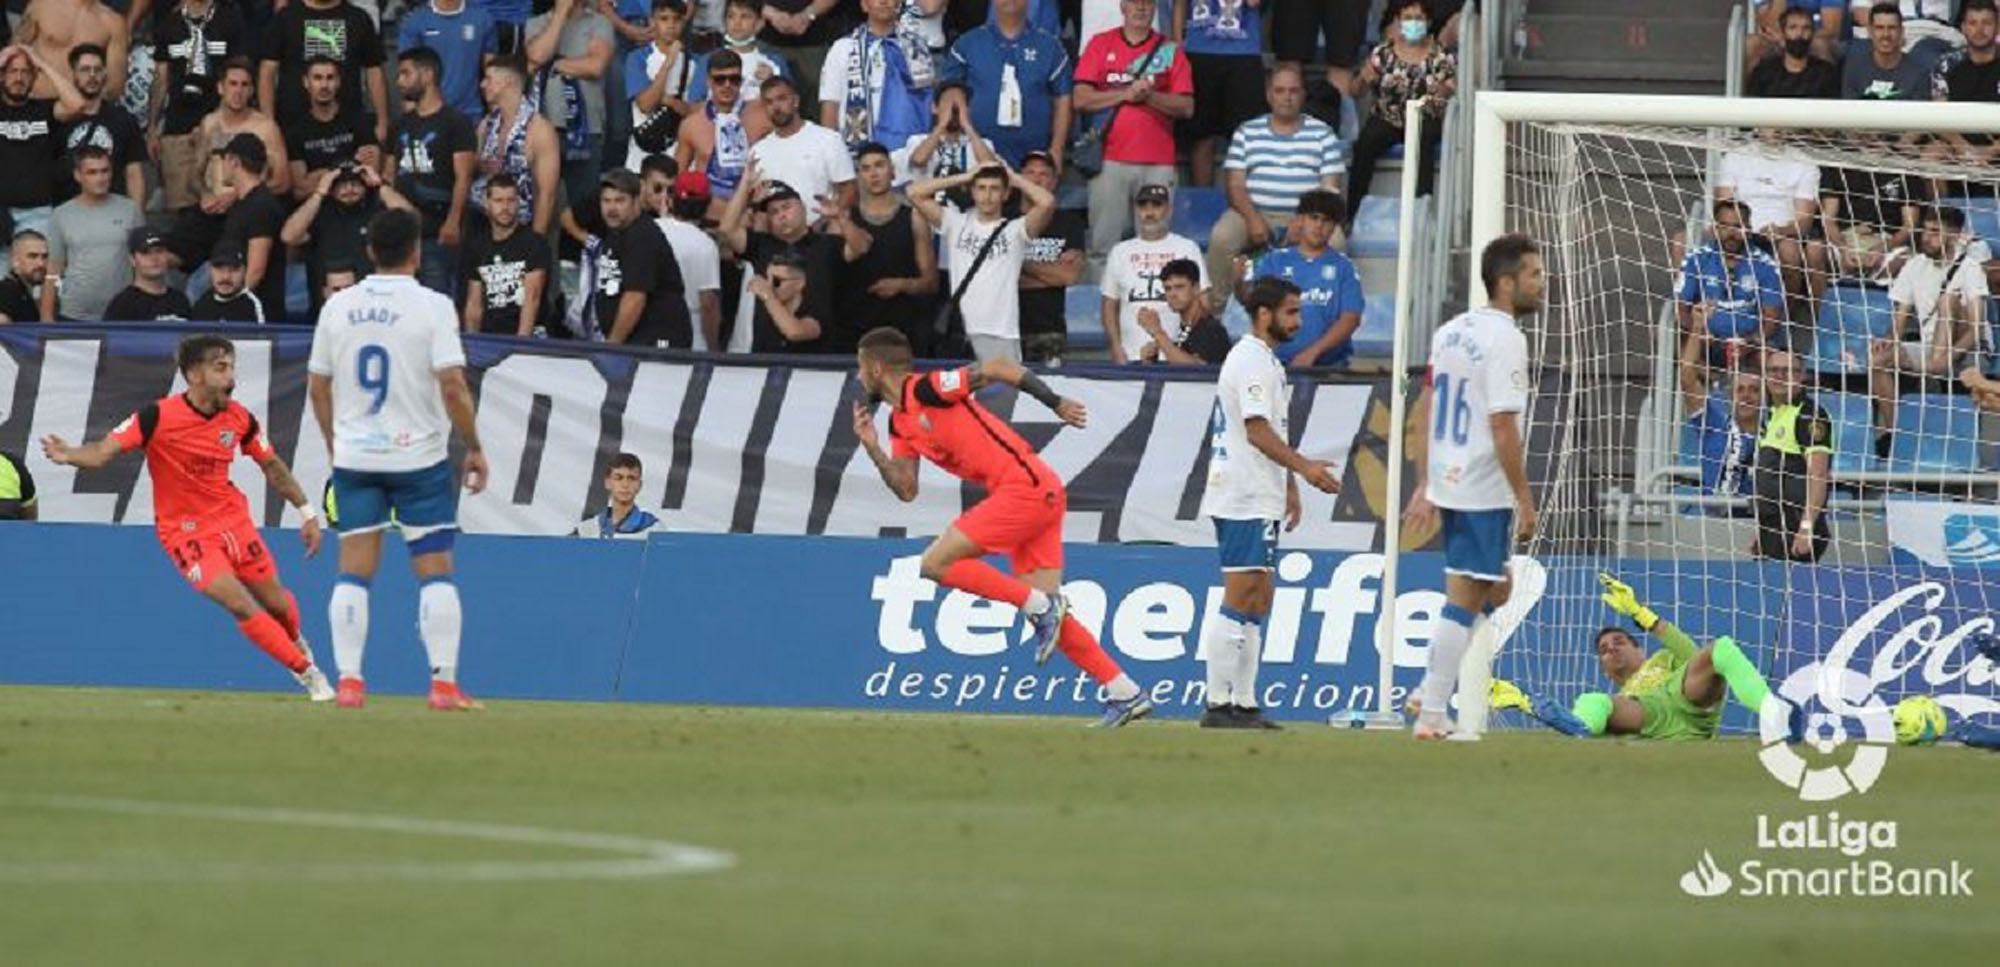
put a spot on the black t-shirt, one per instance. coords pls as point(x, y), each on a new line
point(28, 153)
point(137, 305)
point(343, 33)
point(1770, 79)
point(824, 30)
point(502, 268)
point(260, 215)
point(1208, 339)
point(112, 129)
point(17, 300)
point(325, 144)
point(424, 148)
point(245, 307)
point(638, 259)
point(1967, 81)
point(891, 255)
point(822, 256)
point(1042, 309)
point(193, 68)
point(340, 234)
point(1873, 197)
point(766, 337)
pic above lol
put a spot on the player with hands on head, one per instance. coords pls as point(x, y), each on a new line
point(202, 520)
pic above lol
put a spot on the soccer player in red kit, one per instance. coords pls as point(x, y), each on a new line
point(934, 416)
point(203, 521)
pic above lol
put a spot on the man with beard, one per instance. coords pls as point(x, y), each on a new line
point(1794, 71)
point(515, 139)
point(786, 230)
point(332, 223)
point(28, 268)
point(53, 28)
point(334, 30)
point(716, 135)
point(28, 135)
point(190, 45)
point(226, 299)
point(234, 115)
point(637, 296)
point(149, 298)
point(329, 133)
point(435, 156)
point(1729, 289)
point(505, 266)
point(1939, 313)
point(810, 158)
point(102, 125)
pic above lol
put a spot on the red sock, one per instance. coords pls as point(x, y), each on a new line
point(288, 619)
point(983, 579)
point(1077, 643)
point(265, 632)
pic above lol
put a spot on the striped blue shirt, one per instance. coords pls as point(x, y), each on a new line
point(1278, 168)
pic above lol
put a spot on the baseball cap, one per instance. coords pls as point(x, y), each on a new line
point(621, 179)
point(779, 191)
point(691, 184)
point(143, 238)
point(1153, 193)
point(228, 255)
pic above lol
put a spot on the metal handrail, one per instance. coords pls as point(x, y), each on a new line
point(1654, 482)
point(1732, 71)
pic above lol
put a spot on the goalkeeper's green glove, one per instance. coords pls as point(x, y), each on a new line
point(1618, 597)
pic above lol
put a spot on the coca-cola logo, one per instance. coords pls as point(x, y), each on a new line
point(1952, 671)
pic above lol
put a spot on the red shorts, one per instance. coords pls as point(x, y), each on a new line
point(215, 548)
point(1021, 521)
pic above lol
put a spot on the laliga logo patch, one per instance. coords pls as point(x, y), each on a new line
point(1847, 696)
point(949, 380)
point(227, 437)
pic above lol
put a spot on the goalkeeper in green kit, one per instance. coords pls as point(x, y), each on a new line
point(1674, 693)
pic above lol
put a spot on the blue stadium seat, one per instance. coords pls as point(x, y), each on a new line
point(1376, 228)
point(1083, 315)
point(1196, 211)
point(1853, 429)
point(1935, 432)
point(1377, 335)
point(1982, 216)
point(1849, 318)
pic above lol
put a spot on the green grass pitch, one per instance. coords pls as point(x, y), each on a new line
point(922, 839)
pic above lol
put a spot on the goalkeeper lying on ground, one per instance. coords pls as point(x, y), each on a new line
point(1675, 693)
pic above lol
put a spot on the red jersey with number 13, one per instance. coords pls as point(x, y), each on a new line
point(938, 419)
point(188, 452)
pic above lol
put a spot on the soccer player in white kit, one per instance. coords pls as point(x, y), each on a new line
point(1250, 488)
point(1471, 463)
point(387, 383)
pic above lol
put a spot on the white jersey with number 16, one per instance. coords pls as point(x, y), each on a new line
point(383, 342)
point(1478, 367)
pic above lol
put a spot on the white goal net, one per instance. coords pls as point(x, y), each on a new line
point(1704, 389)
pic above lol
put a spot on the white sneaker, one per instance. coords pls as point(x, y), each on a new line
point(317, 687)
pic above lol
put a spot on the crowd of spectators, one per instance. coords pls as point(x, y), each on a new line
point(714, 175)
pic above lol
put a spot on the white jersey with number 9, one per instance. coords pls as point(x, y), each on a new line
point(383, 341)
point(1478, 367)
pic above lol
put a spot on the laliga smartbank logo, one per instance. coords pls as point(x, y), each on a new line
point(1817, 856)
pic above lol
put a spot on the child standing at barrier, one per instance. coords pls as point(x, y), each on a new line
point(204, 523)
point(935, 416)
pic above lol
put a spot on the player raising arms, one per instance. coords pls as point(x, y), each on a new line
point(1252, 482)
point(935, 416)
point(1675, 693)
point(202, 519)
point(387, 384)
point(1470, 460)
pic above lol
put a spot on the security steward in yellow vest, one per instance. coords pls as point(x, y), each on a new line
point(17, 489)
point(1794, 467)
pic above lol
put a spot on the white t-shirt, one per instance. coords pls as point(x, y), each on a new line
point(1132, 276)
point(1920, 284)
point(383, 341)
point(1243, 483)
point(812, 161)
point(701, 268)
point(1771, 187)
point(1479, 367)
point(992, 303)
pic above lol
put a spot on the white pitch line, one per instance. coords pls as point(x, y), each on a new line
point(640, 857)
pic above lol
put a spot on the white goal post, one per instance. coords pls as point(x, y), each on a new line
point(1698, 128)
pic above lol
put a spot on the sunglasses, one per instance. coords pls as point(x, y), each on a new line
point(725, 78)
